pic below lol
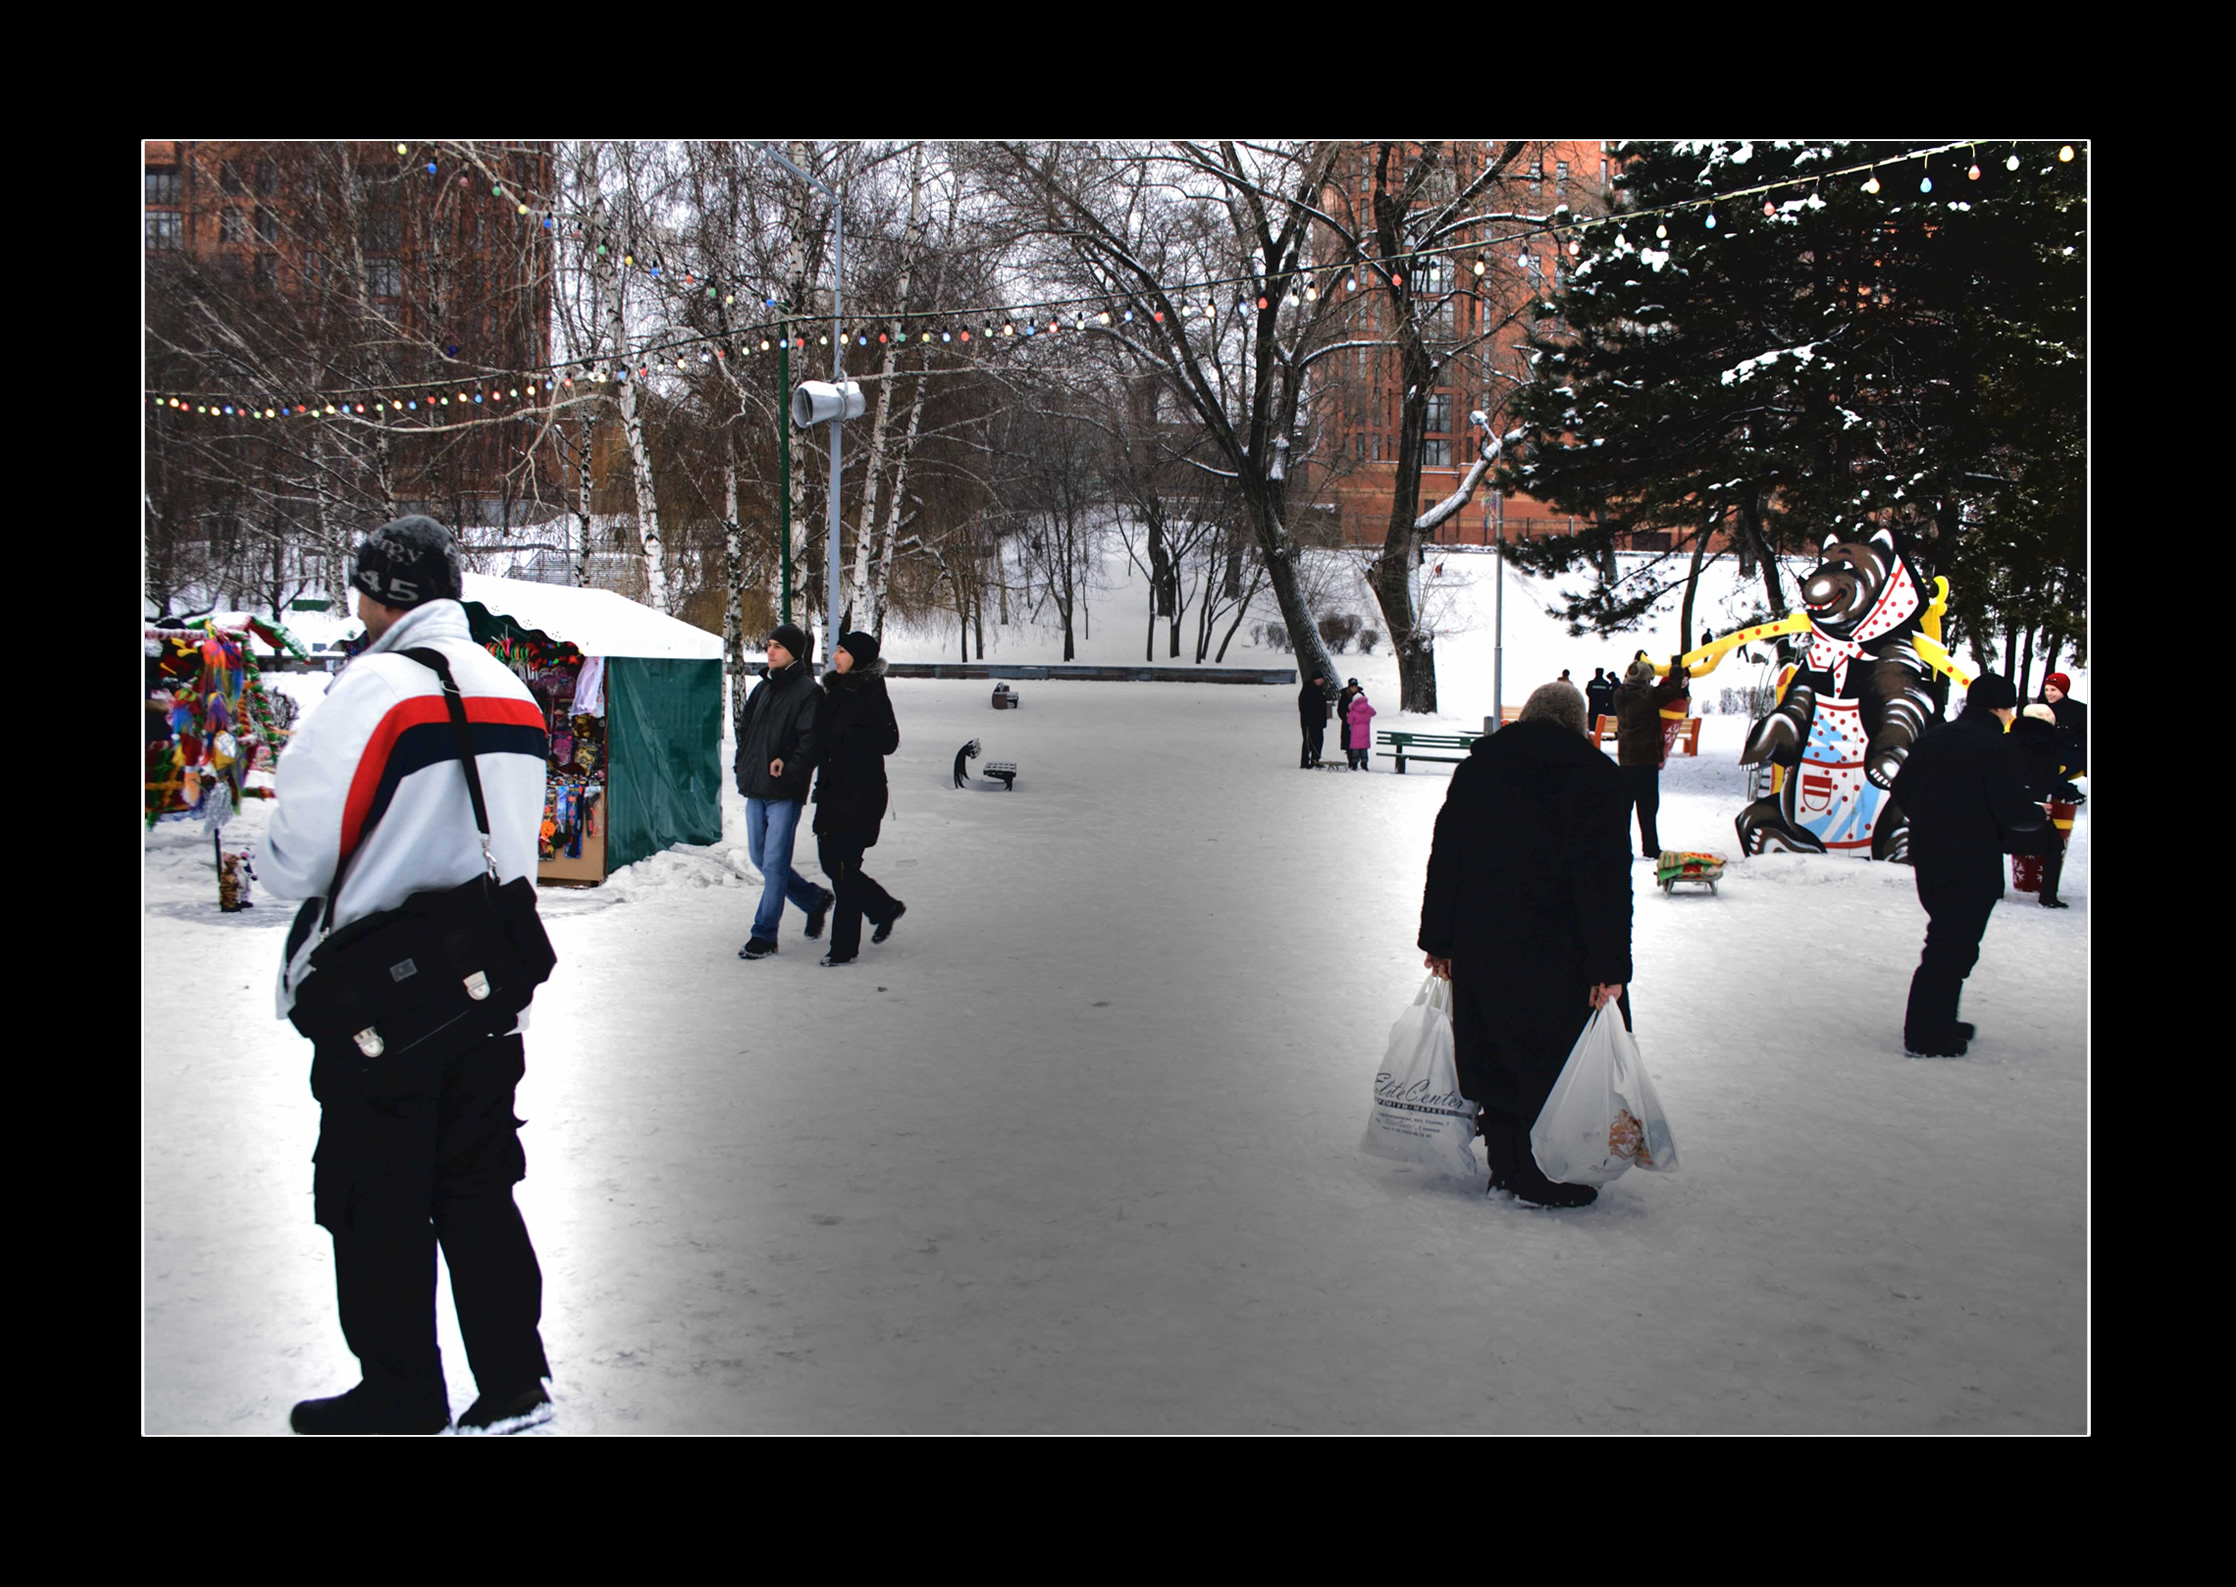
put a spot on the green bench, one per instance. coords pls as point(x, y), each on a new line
point(1403, 745)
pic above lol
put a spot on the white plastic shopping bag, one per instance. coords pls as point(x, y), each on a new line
point(1602, 1117)
point(1419, 1115)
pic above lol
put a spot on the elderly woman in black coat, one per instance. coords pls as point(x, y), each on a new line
point(1527, 912)
point(857, 731)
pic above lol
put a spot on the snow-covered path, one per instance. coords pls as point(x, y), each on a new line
point(1077, 1149)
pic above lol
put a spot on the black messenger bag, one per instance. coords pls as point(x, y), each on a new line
point(444, 969)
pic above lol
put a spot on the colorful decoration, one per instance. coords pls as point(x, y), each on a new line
point(1849, 711)
point(210, 720)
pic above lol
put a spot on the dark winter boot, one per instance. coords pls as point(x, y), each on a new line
point(820, 913)
point(1555, 1194)
point(372, 1408)
point(507, 1413)
point(1953, 1045)
point(885, 926)
point(757, 948)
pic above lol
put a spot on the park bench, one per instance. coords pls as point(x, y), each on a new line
point(1678, 737)
point(1404, 745)
point(1005, 770)
point(1006, 698)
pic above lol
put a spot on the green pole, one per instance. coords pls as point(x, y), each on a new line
point(784, 455)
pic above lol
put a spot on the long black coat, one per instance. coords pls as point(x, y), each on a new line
point(857, 731)
point(1312, 706)
point(2072, 732)
point(2039, 754)
point(1961, 789)
point(1529, 896)
point(778, 725)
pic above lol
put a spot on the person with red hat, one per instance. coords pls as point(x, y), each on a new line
point(2072, 723)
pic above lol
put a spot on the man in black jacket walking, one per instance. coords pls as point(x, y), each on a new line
point(1527, 913)
point(777, 752)
point(1961, 790)
point(1312, 713)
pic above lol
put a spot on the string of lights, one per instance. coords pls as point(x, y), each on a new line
point(1003, 326)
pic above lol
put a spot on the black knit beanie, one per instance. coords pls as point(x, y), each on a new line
point(862, 647)
point(791, 637)
point(1990, 692)
point(408, 562)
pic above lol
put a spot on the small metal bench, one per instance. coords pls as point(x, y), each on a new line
point(1005, 770)
point(1006, 698)
point(1404, 745)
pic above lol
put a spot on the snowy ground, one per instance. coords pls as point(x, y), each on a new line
point(1077, 1149)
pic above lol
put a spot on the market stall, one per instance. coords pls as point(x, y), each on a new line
point(213, 730)
point(633, 702)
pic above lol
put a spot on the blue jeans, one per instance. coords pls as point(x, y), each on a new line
point(770, 825)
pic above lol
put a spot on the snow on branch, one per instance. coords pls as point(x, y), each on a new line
point(1492, 446)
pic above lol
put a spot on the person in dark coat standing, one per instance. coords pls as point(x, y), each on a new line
point(1527, 913)
point(2072, 723)
point(857, 731)
point(1598, 695)
point(1312, 713)
point(2041, 757)
point(1961, 791)
point(1640, 747)
point(777, 752)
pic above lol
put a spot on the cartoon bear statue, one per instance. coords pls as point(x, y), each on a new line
point(1858, 702)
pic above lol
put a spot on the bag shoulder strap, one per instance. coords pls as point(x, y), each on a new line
point(439, 664)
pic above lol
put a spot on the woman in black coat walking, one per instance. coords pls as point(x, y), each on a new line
point(857, 731)
point(1527, 912)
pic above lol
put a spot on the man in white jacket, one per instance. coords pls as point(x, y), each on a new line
point(412, 1154)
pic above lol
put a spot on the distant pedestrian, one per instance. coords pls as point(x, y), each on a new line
point(856, 731)
point(1640, 747)
point(1598, 695)
point(2072, 723)
point(1565, 678)
point(1527, 911)
point(1960, 788)
point(1312, 715)
point(1343, 700)
point(1359, 734)
point(2040, 753)
point(777, 753)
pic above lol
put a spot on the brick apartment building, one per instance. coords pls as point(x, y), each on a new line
point(455, 286)
point(1361, 402)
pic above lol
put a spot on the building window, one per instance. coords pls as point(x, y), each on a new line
point(1436, 453)
point(1358, 445)
point(165, 229)
point(384, 278)
point(163, 185)
point(1440, 413)
point(384, 229)
point(1560, 178)
point(267, 224)
point(1537, 181)
point(267, 270)
point(267, 177)
point(232, 225)
point(1603, 176)
point(229, 177)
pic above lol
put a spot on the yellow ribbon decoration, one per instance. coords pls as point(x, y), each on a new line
point(1927, 642)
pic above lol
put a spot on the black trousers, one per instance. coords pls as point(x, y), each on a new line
point(1642, 788)
point(857, 895)
point(413, 1154)
point(1315, 740)
point(1956, 918)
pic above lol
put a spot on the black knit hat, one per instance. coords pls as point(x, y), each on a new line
point(792, 638)
point(408, 562)
point(1991, 692)
point(862, 647)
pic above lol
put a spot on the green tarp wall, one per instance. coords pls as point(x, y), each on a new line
point(663, 755)
point(663, 746)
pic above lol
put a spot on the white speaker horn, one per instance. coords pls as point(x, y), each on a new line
point(819, 402)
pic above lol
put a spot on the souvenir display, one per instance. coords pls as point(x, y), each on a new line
point(210, 720)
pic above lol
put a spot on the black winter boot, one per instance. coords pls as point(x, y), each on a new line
point(369, 1408)
point(507, 1413)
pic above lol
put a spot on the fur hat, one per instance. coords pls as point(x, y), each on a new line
point(2040, 713)
point(1641, 671)
point(1558, 703)
point(792, 638)
point(1990, 691)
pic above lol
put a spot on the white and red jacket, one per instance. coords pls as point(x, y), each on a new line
point(376, 766)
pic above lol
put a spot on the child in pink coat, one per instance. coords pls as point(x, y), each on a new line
point(1358, 738)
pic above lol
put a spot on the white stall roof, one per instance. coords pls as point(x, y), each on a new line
point(598, 622)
